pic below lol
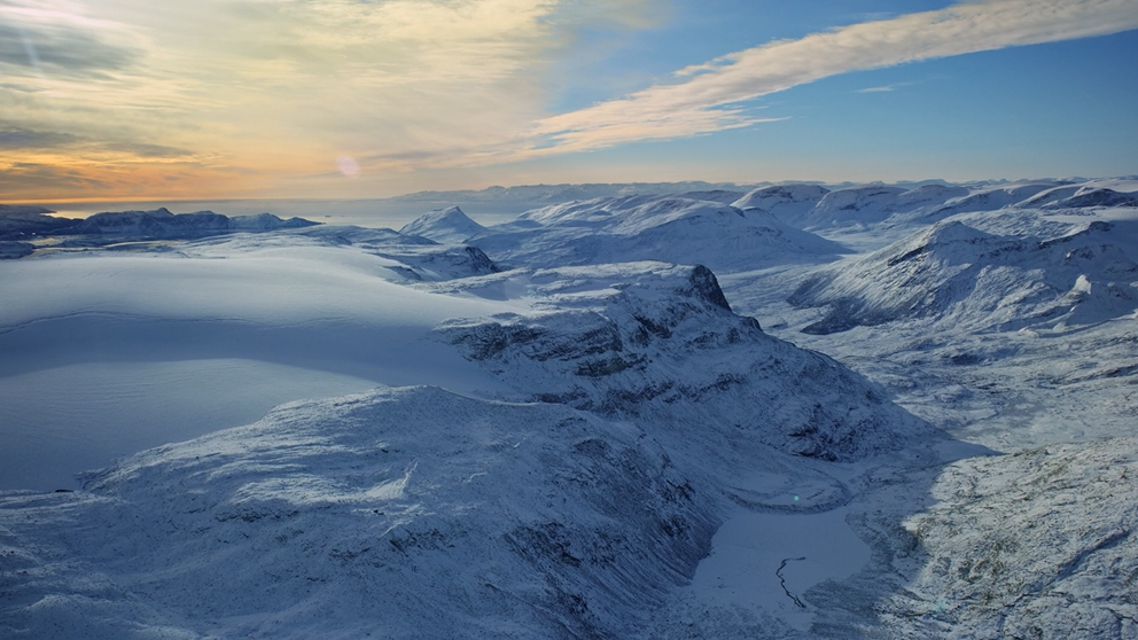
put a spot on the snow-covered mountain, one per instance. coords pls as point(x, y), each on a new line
point(660, 344)
point(27, 222)
point(958, 273)
point(787, 203)
point(993, 198)
point(448, 225)
point(161, 224)
point(564, 427)
point(853, 206)
point(572, 517)
point(641, 227)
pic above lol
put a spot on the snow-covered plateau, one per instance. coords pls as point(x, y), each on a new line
point(803, 411)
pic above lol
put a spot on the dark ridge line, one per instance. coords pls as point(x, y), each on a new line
point(782, 581)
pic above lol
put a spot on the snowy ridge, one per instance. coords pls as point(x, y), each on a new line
point(33, 224)
point(26, 223)
point(957, 273)
point(814, 207)
point(660, 344)
point(673, 229)
point(788, 203)
point(992, 198)
point(856, 206)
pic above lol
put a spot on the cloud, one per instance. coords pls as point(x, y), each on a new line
point(269, 95)
point(25, 179)
point(887, 88)
point(36, 40)
point(285, 88)
point(16, 138)
point(144, 149)
point(712, 96)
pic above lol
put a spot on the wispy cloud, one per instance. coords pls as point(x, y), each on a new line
point(39, 39)
point(711, 96)
point(15, 138)
point(885, 88)
point(250, 96)
point(287, 88)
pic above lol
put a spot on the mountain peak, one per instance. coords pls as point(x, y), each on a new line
point(448, 225)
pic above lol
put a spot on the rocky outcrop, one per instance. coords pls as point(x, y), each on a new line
point(660, 345)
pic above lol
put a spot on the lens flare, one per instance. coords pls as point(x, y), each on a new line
point(348, 166)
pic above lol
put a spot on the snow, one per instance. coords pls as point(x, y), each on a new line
point(64, 420)
point(638, 227)
point(596, 420)
point(448, 225)
point(413, 512)
point(787, 203)
point(961, 274)
point(104, 326)
point(742, 570)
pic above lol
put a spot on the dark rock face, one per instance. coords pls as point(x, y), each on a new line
point(26, 223)
point(705, 285)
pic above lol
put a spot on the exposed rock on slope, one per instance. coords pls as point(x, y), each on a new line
point(660, 344)
point(1039, 544)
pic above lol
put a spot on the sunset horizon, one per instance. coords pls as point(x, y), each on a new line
point(109, 100)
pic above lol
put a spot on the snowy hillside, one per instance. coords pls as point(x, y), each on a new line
point(413, 511)
point(787, 203)
point(448, 225)
point(987, 574)
point(248, 320)
point(993, 198)
point(957, 273)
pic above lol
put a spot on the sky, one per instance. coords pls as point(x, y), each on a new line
point(132, 99)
